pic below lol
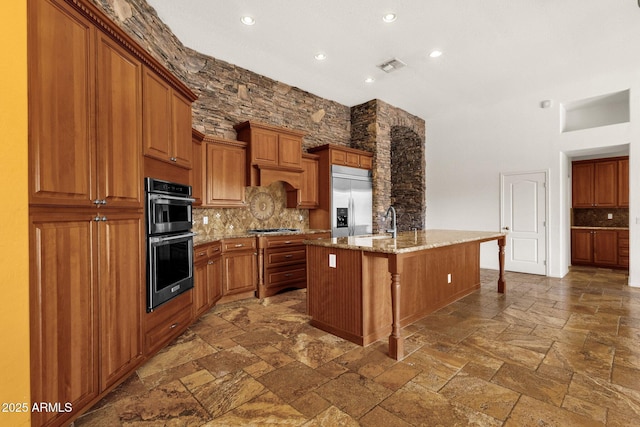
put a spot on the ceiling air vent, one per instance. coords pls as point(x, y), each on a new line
point(392, 65)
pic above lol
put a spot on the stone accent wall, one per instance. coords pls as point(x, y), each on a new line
point(229, 95)
point(388, 131)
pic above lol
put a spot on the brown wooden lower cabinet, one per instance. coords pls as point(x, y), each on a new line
point(207, 288)
point(600, 247)
point(282, 262)
point(86, 305)
point(240, 267)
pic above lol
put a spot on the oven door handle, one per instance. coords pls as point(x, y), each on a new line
point(166, 196)
point(161, 239)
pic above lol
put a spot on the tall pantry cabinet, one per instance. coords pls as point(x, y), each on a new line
point(87, 238)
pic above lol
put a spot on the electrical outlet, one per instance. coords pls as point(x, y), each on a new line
point(449, 278)
point(205, 220)
point(332, 260)
point(609, 216)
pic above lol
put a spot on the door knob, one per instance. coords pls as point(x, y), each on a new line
point(505, 228)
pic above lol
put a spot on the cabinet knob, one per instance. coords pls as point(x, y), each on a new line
point(97, 201)
point(103, 201)
point(209, 262)
point(97, 218)
point(506, 228)
point(104, 218)
point(173, 159)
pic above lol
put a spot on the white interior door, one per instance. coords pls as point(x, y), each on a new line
point(524, 217)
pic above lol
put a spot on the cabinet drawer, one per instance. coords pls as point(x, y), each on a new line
point(285, 275)
point(241, 244)
point(285, 241)
point(214, 249)
point(277, 258)
point(168, 321)
point(200, 252)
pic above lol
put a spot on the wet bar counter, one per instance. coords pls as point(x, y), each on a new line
point(364, 288)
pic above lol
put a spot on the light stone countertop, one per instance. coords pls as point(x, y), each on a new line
point(407, 241)
point(202, 240)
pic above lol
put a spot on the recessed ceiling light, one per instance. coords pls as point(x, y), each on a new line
point(247, 20)
point(389, 17)
point(435, 53)
point(320, 56)
point(369, 80)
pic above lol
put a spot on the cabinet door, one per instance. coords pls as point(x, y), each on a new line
point(606, 183)
point(62, 303)
point(289, 151)
point(225, 175)
point(181, 151)
point(214, 276)
point(366, 162)
point(61, 105)
point(582, 177)
point(121, 288)
point(240, 271)
point(623, 183)
point(156, 115)
point(353, 160)
point(605, 247)
point(309, 189)
point(338, 157)
point(264, 147)
point(119, 116)
point(581, 247)
point(200, 286)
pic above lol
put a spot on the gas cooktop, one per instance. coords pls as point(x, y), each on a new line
point(272, 230)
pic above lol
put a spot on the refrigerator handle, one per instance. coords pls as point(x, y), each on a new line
point(351, 216)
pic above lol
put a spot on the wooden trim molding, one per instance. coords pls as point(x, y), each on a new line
point(96, 16)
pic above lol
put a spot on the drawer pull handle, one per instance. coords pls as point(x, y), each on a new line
point(288, 275)
point(288, 242)
point(288, 256)
point(174, 325)
point(202, 254)
point(239, 245)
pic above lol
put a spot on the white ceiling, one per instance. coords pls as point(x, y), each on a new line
point(493, 49)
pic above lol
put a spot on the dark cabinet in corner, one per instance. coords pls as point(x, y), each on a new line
point(600, 183)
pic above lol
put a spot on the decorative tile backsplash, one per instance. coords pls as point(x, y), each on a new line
point(225, 221)
point(597, 217)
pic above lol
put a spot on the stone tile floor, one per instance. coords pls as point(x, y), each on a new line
point(551, 352)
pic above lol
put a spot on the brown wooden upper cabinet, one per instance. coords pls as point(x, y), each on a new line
point(307, 197)
point(270, 147)
point(86, 149)
point(601, 183)
point(345, 156)
point(167, 122)
point(224, 179)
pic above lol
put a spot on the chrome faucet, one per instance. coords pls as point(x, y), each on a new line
point(394, 228)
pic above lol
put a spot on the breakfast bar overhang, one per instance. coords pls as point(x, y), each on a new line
point(363, 288)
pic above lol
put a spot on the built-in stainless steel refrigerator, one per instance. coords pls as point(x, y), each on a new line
point(351, 201)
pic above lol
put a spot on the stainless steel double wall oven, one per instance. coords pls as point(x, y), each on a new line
point(169, 240)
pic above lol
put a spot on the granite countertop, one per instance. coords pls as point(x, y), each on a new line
point(582, 227)
point(202, 240)
point(407, 241)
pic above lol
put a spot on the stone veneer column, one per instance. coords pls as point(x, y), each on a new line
point(387, 131)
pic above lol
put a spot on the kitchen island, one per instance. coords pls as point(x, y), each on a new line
point(363, 288)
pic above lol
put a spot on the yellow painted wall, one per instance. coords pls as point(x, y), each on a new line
point(14, 248)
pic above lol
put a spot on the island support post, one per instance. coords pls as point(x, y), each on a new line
point(396, 341)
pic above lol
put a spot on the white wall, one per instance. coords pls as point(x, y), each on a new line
point(468, 148)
